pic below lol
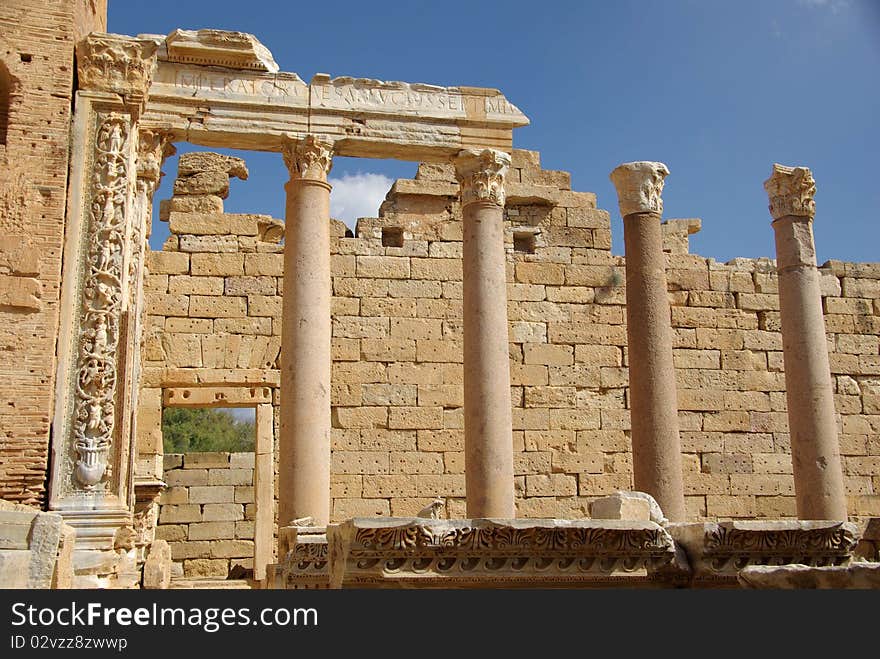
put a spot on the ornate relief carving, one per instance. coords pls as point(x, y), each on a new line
point(722, 549)
point(306, 565)
point(310, 158)
point(116, 64)
point(640, 187)
point(153, 147)
point(481, 175)
point(790, 191)
point(94, 415)
point(373, 551)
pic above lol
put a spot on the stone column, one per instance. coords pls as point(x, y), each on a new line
point(92, 444)
point(487, 412)
point(815, 452)
point(653, 403)
point(153, 147)
point(304, 450)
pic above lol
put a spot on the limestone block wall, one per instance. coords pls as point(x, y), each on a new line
point(397, 440)
point(207, 512)
point(36, 88)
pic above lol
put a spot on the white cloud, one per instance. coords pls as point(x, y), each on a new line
point(357, 195)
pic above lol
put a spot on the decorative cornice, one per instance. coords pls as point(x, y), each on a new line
point(640, 187)
point(118, 65)
point(790, 191)
point(481, 175)
point(310, 158)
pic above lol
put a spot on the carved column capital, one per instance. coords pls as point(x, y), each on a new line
point(640, 187)
point(154, 145)
point(117, 65)
point(790, 191)
point(481, 175)
point(309, 158)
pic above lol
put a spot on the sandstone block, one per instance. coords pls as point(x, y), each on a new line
point(212, 530)
point(212, 494)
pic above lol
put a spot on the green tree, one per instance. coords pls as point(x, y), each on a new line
point(198, 430)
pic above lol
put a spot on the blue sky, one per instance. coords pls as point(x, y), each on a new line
point(719, 91)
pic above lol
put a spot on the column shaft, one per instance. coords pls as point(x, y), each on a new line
point(652, 392)
point(487, 410)
point(304, 451)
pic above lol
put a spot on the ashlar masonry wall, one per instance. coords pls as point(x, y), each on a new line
point(207, 512)
point(214, 299)
point(36, 97)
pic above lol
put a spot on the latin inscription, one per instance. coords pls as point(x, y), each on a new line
point(209, 82)
point(408, 99)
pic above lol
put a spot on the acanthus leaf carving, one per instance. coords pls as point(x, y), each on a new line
point(790, 191)
point(481, 175)
point(640, 187)
point(117, 64)
point(310, 158)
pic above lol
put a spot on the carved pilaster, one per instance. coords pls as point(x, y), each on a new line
point(481, 175)
point(310, 158)
point(117, 65)
point(640, 187)
point(790, 191)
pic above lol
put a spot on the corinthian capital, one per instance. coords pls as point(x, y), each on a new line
point(310, 158)
point(481, 174)
point(639, 187)
point(153, 147)
point(116, 64)
point(790, 191)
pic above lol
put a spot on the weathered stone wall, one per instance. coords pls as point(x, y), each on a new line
point(206, 514)
point(214, 304)
point(36, 87)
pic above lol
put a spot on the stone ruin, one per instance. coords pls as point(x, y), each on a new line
point(469, 390)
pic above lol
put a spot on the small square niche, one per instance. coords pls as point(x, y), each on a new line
point(524, 241)
point(392, 237)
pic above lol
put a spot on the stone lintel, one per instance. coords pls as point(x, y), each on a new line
point(241, 106)
point(719, 550)
point(390, 552)
point(216, 396)
point(640, 186)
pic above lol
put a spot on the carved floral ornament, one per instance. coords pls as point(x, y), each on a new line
point(116, 64)
point(640, 187)
point(310, 158)
point(153, 147)
point(481, 174)
point(94, 409)
point(790, 191)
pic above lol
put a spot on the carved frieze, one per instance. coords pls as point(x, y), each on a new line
point(790, 191)
point(640, 187)
point(310, 158)
point(116, 64)
point(474, 552)
point(306, 565)
point(481, 175)
point(723, 549)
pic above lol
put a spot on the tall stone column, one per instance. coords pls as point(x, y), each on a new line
point(653, 403)
point(815, 452)
point(92, 444)
point(488, 421)
point(304, 450)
